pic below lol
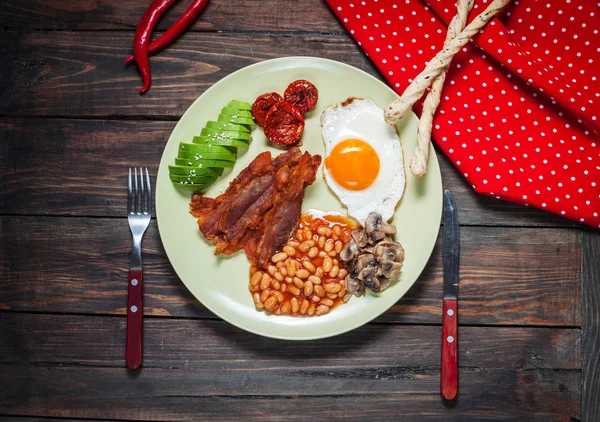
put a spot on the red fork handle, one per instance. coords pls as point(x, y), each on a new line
point(135, 306)
point(449, 379)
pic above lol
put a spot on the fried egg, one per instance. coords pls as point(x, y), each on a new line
point(364, 164)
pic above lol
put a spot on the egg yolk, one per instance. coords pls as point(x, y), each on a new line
point(353, 164)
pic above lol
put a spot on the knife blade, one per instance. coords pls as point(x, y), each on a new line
point(450, 262)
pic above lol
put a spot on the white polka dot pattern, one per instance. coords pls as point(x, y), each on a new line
point(519, 110)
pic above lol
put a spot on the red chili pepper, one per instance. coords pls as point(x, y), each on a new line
point(142, 37)
point(176, 29)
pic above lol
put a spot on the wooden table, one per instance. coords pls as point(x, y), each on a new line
point(71, 122)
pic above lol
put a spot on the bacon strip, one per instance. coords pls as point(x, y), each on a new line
point(261, 206)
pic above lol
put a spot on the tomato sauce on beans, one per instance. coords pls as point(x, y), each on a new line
point(306, 278)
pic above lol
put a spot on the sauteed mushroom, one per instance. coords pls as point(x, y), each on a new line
point(372, 257)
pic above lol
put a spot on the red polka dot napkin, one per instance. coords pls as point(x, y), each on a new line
point(519, 115)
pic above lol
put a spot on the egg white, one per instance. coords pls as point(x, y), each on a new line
point(362, 119)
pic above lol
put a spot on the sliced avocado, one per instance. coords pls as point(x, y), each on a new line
point(194, 187)
point(227, 126)
point(226, 134)
point(195, 171)
point(192, 162)
point(237, 120)
point(240, 105)
point(230, 111)
point(209, 151)
point(202, 149)
point(192, 179)
point(204, 140)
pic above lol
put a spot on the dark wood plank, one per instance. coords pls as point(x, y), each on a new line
point(508, 275)
point(82, 73)
point(591, 325)
point(197, 368)
point(162, 394)
point(239, 15)
point(48, 177)
point(37, 339)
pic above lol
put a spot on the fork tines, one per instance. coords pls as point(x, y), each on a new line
point(139, 195)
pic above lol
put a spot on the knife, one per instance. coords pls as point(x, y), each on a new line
point(450, 259)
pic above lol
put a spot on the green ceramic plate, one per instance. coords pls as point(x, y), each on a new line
point(221, 283)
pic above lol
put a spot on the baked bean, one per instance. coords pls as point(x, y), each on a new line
point(276, 285)
point(253, 288)
point(299, 236)
point(322, 241)
point(315, 299)
point(259, 306)
point(309, 266)
point(327, 302)
point(346, 236)
point(271, 269)
point(279, 296)
point(264, 295)
point(271, 303)
point(295, 305)
point(289, 250)
point(308, 288)
point(308, 234)
point(335, 270)
point(299, 283)
point(302, 273)
point(332, 287)
point(321, 310)
point(311, 309)
point(294, 290)
point(288, 279)
point(336, 262)
point(327, 264)
point(313, 252)
point(256, 297)
point(285, 308)
point(265, 281)
point(292, 244)
point(304, 246)
point(290, 266)
point(279, 276)
point(343, 273)
point(322, 254)
point(332, 295)
point(284, 288)
point(279, 265)
point(338, 246)
point(319, 290)
point(283, 271)
point(337, 230)
point(304, 307)
point(329, 245)
point(331, 253)
point(281, 256)
point(320, 273)
point(314, 279)
point(255, 279)
point(325, 231)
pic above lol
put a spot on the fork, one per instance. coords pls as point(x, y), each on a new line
point(139, 212)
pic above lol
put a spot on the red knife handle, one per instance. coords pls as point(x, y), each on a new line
point(135, 306)
point(449, 380)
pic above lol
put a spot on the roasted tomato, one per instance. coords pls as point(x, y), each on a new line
point(302, 94)
point(263, 104)
point(284, 124)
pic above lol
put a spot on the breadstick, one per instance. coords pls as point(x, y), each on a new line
point(436, 66)
point(418, 162)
